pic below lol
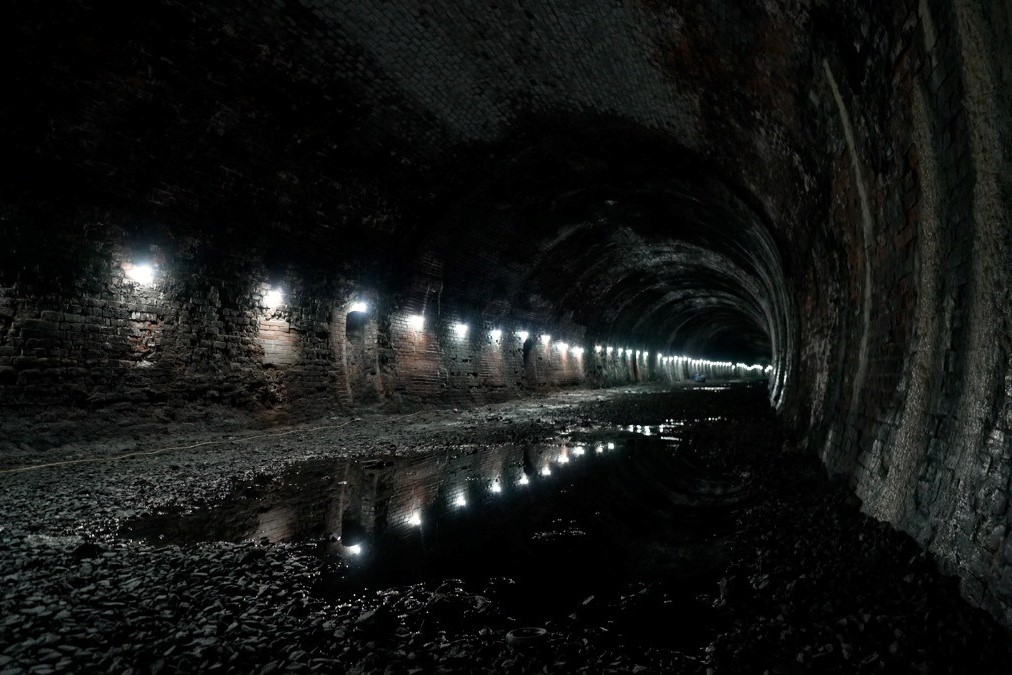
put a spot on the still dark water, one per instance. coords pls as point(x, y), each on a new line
point(547, 528)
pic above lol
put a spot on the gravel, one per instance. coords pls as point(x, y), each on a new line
point(812, 585)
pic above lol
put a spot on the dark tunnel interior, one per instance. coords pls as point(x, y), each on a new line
point(294, 284)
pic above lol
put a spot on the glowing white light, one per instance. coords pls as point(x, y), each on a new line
point(460, 501)
point(358, 307)
point(563, 459)
point(546, 471)
point(599, 448)
point(273, 298)
point(628, 352)
point(646, 431)
point(609, 350)
point(579, 450)
point(460, 329)
point(416, 322)
point(523, 335)
point(524, 480)
point(496, 487)
point(637, 353)
point(355, 550)
point(545, 339)
point(562, 346)
point(495, 334)
point(415, 519)
point(611, 446)
point(141, 274)
point(577, 351)
point(597, 349)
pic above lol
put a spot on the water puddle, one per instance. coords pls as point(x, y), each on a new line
point(555, 524)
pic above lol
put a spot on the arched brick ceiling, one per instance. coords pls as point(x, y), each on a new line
point(633, 164)
point(702, 176)
point(640, 240)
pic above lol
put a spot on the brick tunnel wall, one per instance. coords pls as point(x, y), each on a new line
point(905, 365)
point(242, 144)
point(869, 144)
point(135, 357)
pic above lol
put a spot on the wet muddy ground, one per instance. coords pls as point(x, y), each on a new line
point(634, 530)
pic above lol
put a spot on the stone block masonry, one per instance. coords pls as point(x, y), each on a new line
point(147, 356)
point(915, 415)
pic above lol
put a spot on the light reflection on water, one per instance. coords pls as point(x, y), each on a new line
point(599, 507)
point(351, 503)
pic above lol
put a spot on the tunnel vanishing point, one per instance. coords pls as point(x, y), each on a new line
point(252, 213)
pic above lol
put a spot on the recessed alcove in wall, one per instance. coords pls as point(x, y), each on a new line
point(530, 369)
point(355, 325)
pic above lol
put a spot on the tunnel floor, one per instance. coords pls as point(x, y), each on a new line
point(633, 530)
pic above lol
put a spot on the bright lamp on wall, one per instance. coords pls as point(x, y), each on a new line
point(273, 298)
point(141, 274)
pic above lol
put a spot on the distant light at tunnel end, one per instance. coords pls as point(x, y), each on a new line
point(416, 322)
point(358, 307)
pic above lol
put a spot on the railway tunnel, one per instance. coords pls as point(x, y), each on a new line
point(253, 217)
